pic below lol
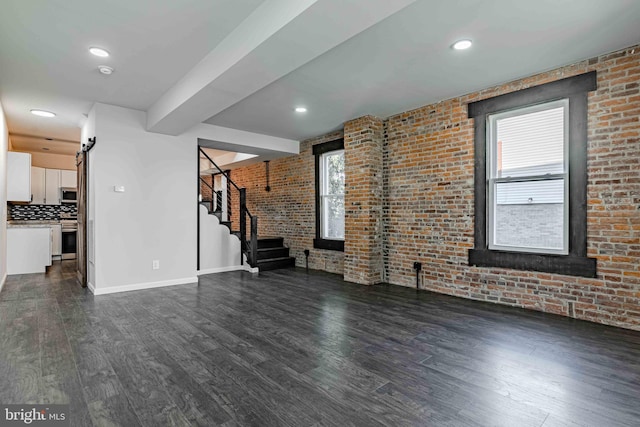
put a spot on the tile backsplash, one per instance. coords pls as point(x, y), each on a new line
point(39, 212)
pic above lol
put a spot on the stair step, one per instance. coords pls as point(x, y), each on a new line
point(275, 263)
point(266, 253)
point(270, 242)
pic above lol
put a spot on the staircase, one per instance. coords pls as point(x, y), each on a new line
point(272, 254)
point(264, 253)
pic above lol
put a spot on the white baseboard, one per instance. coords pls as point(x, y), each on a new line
point(250, 269)
point(141, 286)
point(222, 269)
point(4, 279)
point(91, 287)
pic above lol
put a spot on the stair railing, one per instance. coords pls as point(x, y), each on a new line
point(218, 201)
point(213, 192)
point(248, 248)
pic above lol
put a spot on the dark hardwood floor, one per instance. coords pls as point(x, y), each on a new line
point(297, 349)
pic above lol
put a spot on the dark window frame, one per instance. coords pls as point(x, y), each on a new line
point(318, 151)
point(576, 263)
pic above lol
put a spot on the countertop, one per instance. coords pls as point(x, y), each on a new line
point(31, 224)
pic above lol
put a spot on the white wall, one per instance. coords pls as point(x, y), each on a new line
point(155, 218)
point(4, 146)
point(219, 249)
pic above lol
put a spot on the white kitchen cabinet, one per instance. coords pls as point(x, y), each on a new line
point(68, 179)
point(18, 177)
point(37, 186)
point(56, 240)
point(28, 250)
point(52, 187)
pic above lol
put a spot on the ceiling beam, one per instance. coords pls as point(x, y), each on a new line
point(240, 141)
point(276, 39)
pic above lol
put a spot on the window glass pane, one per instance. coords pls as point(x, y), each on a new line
point(530, 144)
point(536, 192)
point(334, 173)
point(333, 217)
point(332, 195)
point(538, 223)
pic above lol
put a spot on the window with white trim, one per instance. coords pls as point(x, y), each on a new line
point(332, 195)
point(527, 172)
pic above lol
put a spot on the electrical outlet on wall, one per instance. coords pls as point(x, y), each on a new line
point(156, 264)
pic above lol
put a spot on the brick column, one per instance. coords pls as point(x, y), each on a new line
point(363, 141)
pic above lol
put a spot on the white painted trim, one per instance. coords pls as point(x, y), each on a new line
point(4, 279)
point(245, 267)
point(250, 269)
point(91, 287)
point(221, 269)
point(140, 286)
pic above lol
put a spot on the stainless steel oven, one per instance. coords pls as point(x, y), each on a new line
point(69, 238)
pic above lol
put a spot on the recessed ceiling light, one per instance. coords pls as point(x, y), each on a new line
point(301, 110)
point(43, 113)
point(104, 69)
point(98, 52)
point(462, 44)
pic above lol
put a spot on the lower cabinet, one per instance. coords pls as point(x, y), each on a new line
point(28, 250)
point(56, 240)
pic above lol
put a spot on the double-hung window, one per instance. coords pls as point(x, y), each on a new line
point(330, 174)
point(527, 171)
point(530, 184)
point(332, 195)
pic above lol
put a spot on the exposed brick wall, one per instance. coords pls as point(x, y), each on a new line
point(429, 203)
point(205, 191)
point(289, 209)
point(363, 145)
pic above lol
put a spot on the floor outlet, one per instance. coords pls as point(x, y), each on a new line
point(156, 264)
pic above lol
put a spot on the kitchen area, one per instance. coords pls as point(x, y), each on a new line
point(42, 212)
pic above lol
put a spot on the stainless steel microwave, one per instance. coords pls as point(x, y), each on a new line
point(69, 195)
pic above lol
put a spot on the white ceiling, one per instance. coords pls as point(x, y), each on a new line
point(406, 61)
point(380, 64)
point(45, 61)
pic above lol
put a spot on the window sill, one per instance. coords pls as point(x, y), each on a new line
point(330, 245)
point(570, 265)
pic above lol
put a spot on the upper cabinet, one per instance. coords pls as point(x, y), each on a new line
point(18, 177)
point(52, 187)
point(46, 185)
point(68, 179)
point(37, 186)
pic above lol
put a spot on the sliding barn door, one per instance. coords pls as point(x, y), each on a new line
point(82, 218)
